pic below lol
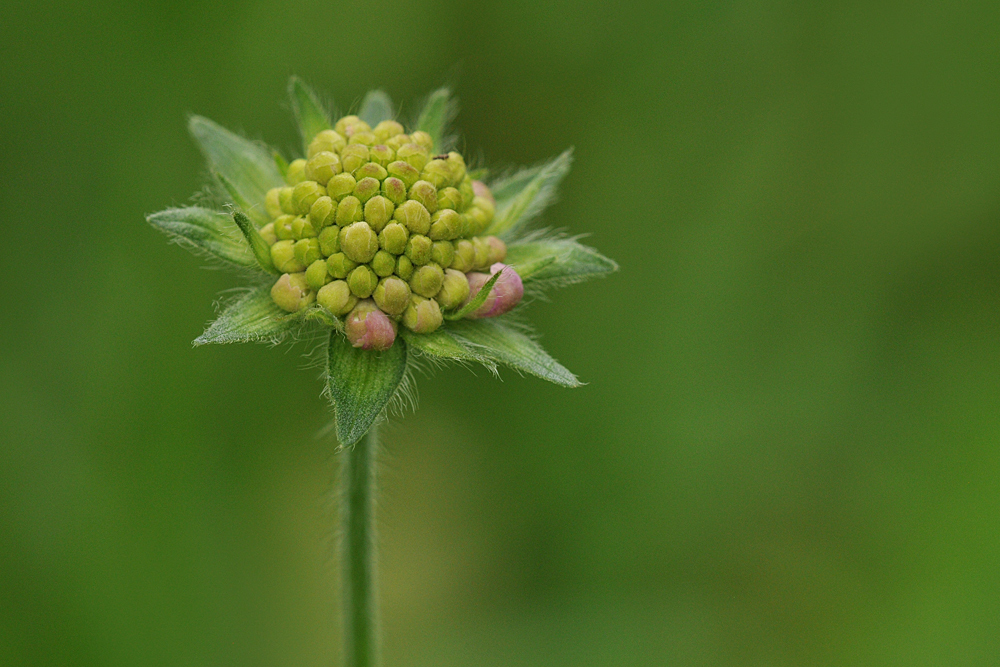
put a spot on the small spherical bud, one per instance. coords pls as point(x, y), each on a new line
point(305, 194)
point(349, 210)
point(422, 138)
point(317, 275)
point(418, 249)
point(327, 141)
point(283, 227)
point(371, 170)
point(285, 201)
point(267, 233)
point(292, 293)
point(323, 212)
point(329, 240)
point(362, 281)
point(296, 172)
point(393, 238)
point(339, 266)
point(322, 167)
point(302, 228)
point(283, 257)
point(454, 290)
point(353, 156)
point(415, 154)
point(443, 253)
point(394, 190)
point(399, 140)
point(414, 216)
point(381, 155)
point(336, 297)
point(422, 315)
point(383, 264)
point(457, 164)
point(369, 328)
point(359, 242)
point(307, 251)
point(392, 295)
point(465, 188)
point(487, 204)
point(427, 280)
point(438, 172)
point(346, 122)
point(465, 256)
point(340, 186)
point(425, 193)
point(497, 249)
point(481, 260)
point(386, 129)
point(272, 202)
point(477, 220)
point(378, 212)
point(450, 198)
point(404, 171)
point(445, 225)
point(482, 190)
point(506, 293)
point(367, 188)
point(404, 267)
point(365, 138)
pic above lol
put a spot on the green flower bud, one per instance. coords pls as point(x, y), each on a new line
point(438, 172)
point(322, 167)
point(422, 138)
point(487, 204)
point(414, 216)
point(349, 210)
point(445, 225)
point(369, 328)
point(383, 264)
point(283, 257)
point(465, 256)
point(302, 228)
point(422, 315)
point(457, 164)
point(283, 227)
point(477, 220)
point(392, 295)
point(340, 186)
point(363, 138)
point(454, 290)
point(272, 202)
point(481, 260)
point(336, 297)
point(285, 201)
point(404, 267)
point(381, 155)
point(292, 293)
point(393, 238)
point(366, 189)
point(317, 275)
point(425, 193)
point(397, 141)
point(378, 212)
point(307, 251)
point(404, 171)
point(387, 129)
point(353, 156)
point(394, 190)
point(427, 280)
point(497, 249)
point(305, 194)
point(267, 233)
point(362, 281)
point(296, 172)
point(323, 212)
point(327, 141)
point(329, 240)
point(418, 249)
point(450, 198)
point(371, 170)
point(350, 121)
point(465, 188)
point(359, 242)
point(338, 265)
point(443, 253)
point(415, 154)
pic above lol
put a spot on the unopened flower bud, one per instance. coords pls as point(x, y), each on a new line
point(369, 328)
point(397, 141)
point(285, 201)
point(427, 280)
point(425, 193)
point(359, 242)
point(329, 240)
point(272, 202)
point(317, 275)
point(422, 138)
point(393, 238)
point(438, 172)
point(487, 205)
point(349, 210)
point(345, 122)
point(482, 190)
point(362, 281)
point(477, 219)
point(394, 190)
point(418, 249)
point(307, 251)
point(353, 156)
point(465, 188)
point(378, 212)
point(465, 256)
point(296, 172)
point(381, 155)
point(305, 194)
point(457, 164)
point(340, 186)
point(387, 129)
point(302, 228)
point(283, 227)
point(392, 295)
point(292, 293)
point(336, 297)
point(338, 265)
point(415, 154)
point(267, 233)
point(383, 263)
point(506, 293)
point(482, 256)
point(367, 188)
point(371, 170)
point(328, 141)
point(365, 138)
point(443, 253)
point(446, 224)
point(422, 315)
point(283, 257)
point(454, 290)
point(404, 267)
point(497, 249)
point(322, 167)
point(414, 216)
point(404, 171)
point(323, 212)
point(450, 198)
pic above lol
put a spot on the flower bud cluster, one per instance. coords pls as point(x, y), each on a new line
point(372, 221)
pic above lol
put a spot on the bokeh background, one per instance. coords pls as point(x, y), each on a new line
point(788, 452)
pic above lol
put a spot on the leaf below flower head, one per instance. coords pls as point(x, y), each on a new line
point(442, 345)
point(361, 383)
point(376, 107)
point(556, 262)
point(521, 197)
point(207, 230)
point(253, 317)
point(261, 249)
point(497, 340)
point(248, 168)
point(438, 111)
point(310, 114)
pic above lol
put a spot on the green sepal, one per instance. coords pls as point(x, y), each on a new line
point(438, 111)
point(309, 112)
point(248, 168)
point(521, 197)
point(261, 248)
point(557, 262)
point(443, 345)
point(476, 301)
point(253, 317)
point(202, 229)
point(318, 313)
point(497, 340)
point(376, 107)
point(361, 383)
point(280, 162)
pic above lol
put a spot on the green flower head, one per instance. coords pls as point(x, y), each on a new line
point(383, 240)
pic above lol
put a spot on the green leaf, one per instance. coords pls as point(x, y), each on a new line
point(443, 345)
point(251, 318)
point(261, 248)
point(376, 107)
point(361, 383)
point(476, 301)
point(309, 112)
point(523, 196)
point(556, 262)
point(203, 229)
point(438, 111)
point(500, 342)
point(247, 167)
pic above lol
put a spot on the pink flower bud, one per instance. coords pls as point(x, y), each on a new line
point(369, 328)
point(481, 190)
point(506, 293)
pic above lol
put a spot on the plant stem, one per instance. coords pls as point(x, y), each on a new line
point(358, 512)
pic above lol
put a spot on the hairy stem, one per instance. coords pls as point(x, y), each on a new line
point(358, 512)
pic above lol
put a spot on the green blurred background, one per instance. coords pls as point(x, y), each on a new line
point(787, 452)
